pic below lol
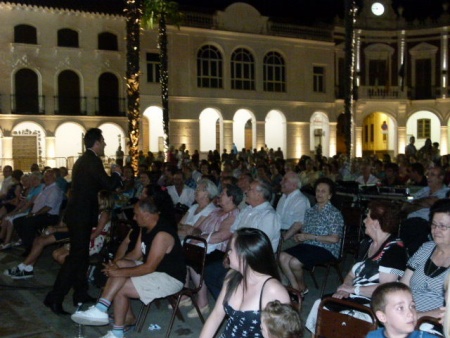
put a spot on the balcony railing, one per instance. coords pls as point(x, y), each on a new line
point(27, 104)
point(70, 105)
point(380, 92)
point(67, 105)
point(109, 106)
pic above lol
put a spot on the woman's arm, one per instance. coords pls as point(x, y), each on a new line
point(217, 315)
point(436, 313)
point(407, 276)
point(224, 233)
point(292, 230)
point(311, 237)
point(344, 290)
point(105, 217)
point(368, 290)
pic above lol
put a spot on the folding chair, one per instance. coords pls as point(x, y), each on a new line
point(430, 325)
point(333, 322)
point(353, 217)
point(195, 256)
point(335, 263)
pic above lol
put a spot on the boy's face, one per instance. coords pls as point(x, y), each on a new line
point(399, 317)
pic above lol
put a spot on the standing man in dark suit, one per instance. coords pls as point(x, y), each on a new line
point(88, 178)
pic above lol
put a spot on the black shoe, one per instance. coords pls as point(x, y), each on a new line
point(55, 307)
point(84, 300)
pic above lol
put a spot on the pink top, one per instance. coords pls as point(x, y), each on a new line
point(213, 223)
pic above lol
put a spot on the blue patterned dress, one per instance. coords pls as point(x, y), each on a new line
point(243, 323)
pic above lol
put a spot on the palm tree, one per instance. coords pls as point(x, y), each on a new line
point(162, 11)
point(133, 13)
point(349, 86)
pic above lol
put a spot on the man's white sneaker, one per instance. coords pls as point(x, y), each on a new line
point(91, 316)
point(109, 335)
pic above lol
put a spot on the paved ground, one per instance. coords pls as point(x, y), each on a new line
point(22, 313)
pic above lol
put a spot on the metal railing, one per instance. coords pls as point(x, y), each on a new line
point(109, 106)
point(27, 104)
point(70, 105)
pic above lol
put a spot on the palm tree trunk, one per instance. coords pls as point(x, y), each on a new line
point(133, 12)
point(349, 84)
point(164, 78)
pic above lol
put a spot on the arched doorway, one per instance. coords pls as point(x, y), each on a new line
point(211, 130)
point(320, 133)
point(114, 137)
point(244, 129)
point(422, 125)
point(155, 130)
point(275, 130)
point(340, 135)
point(379, 135)
point(29, 146)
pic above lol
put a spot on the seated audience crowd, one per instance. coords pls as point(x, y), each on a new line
point(260, 215)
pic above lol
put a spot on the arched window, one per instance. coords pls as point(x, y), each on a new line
point(107, 41)
point(26, 98)
point(209, 67)
point(25, 34)
point(242, 70)
point(108, 95)
point(69, 100)
point(274, 73)
point(67, 38)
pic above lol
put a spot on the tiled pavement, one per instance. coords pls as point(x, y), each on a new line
point(22, 313)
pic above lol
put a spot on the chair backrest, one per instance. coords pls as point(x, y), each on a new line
point(296, 298)
point(353, 217)
point(195, 249)
point(431, 325)
point(342, 242)
point(336, 319)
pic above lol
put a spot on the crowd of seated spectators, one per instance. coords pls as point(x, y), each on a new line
point(217, 196)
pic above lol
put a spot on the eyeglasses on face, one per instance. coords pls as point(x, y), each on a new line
point(439, 226)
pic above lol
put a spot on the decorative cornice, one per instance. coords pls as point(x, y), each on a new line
point(57, 10)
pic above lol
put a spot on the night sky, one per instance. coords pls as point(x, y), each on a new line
point(298, 11)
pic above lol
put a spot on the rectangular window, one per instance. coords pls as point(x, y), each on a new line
point(319, 79)
point(366, 133)
point(424, 128)
point(372, 131)
point(152, 67)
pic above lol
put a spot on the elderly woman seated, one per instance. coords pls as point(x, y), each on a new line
point(204, 196)
point(319, 236)
point(216, 229)
point(427, 270)
point(382, 259)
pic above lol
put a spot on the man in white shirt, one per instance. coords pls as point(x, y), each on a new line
point(45, 211)
point(366, 177)
point(180, 192)
point(259, 213)
point(292, 206)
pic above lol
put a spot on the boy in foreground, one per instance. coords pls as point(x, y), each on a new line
point(394, 307)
